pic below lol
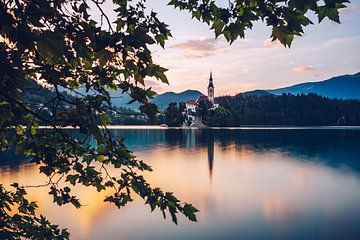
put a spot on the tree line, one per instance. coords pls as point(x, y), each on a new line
point(286, 109)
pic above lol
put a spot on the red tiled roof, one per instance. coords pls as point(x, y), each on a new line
point(202, 98)
point(191, 102)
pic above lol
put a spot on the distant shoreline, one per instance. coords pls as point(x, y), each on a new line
point(245, 127)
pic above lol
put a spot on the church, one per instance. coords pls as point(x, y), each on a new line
point(192, 105)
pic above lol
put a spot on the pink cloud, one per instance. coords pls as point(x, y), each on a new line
point(269, 43)
point(197, 48)
point(350, 9)
point(155, 85)
point(303, 69)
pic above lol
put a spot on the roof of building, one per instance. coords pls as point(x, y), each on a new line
point(191, 102)
point(201, 98)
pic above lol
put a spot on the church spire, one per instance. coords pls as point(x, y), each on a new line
point(211, 84)
point(211, 89)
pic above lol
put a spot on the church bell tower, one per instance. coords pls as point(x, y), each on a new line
point(211, 89)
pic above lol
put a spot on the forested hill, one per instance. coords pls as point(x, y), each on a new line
point(39, 97)
point(119, 99)
point(163, 100)
point(341, 87)
point(287, 109)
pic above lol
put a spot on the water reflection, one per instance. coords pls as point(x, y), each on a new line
point(337, 148)
point(248, 184)
point(210, 152)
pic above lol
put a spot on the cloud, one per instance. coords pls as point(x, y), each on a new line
point(156, 85)
point(350, 9)
point(335, 42)
point(303, 69)
point(270, 43)
point(197, 48)
point(341, 40)
point(196, 55)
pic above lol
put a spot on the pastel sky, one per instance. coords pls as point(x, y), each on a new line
point(325, 50)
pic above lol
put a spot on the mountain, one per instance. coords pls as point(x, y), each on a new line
point(39, 95)
point(342, 87)
point(120, 99)
point(163, 100)
point(257, 93)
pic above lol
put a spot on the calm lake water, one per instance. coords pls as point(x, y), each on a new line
point(247, 184)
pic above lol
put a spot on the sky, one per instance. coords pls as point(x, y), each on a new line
point(325, 50)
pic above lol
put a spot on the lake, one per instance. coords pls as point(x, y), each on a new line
point(248, 183)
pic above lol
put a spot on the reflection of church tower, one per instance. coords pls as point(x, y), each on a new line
point(210, 148)
point(211, 89)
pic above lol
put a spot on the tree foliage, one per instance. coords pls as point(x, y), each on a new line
point(59, 44)
point(24, 222)
point(287, 18)
point(175, 114)
point(287, 109)
point(203, 110)
point(219, 117)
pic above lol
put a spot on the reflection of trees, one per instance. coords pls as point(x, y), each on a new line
point(176, 137)
point(11, 159)
point(333, 147)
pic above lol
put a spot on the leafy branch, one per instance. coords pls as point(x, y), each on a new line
point(287, 18)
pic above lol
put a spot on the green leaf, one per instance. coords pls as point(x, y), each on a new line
point(72, 178)
point(144, 166)
point(20, 130)
point(158, 72)
point(100, 158)
point(88, 158)
point(75, 202)
point(104, 57)
point(51, 45)
point(282, 35)
point(218, 26)
point(189, 211)
point(104, 119)
point(331, 13)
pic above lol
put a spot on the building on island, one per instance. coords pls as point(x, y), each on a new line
point(192, 105)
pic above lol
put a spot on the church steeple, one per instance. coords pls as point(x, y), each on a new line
point(211, 89)
point(211, 81)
